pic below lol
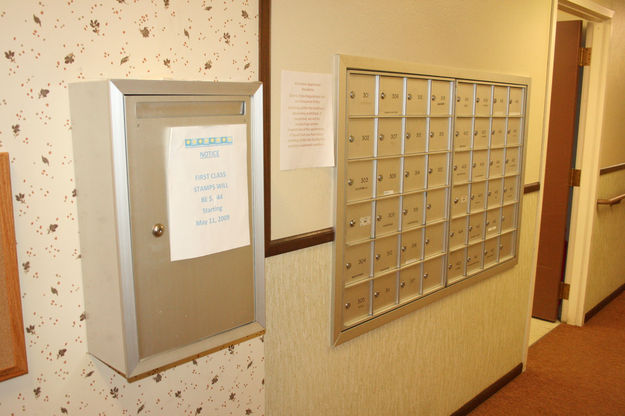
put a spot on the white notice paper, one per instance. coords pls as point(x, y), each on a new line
point(306, 124)
point(207, 197)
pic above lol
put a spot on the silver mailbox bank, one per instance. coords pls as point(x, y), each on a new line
point(170, 205)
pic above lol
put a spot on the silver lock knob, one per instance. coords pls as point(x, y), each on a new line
point(348, 305)
point(352, 223)
point(352, 94)
point(382, 95)
point(351, 139)
point(348, 266)
point(409, 96)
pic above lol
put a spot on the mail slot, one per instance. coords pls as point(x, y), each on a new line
point(435, 204)
point(439, 98)
point(474, 258)
point(432, 277)
point(481, 133)
point(388, 176)
point(385, 254)
point(512, 160)
point(514, 131)
point(496, 163)
point(506, 246)
point(412, 210)
point(356, 303)
point(500, 100)
point(463, 134)
point(417, 96)
point(464, 99)
point(457, 232)
point(476, 227)
point(414, 173)
point(494, 193)
point(391, 95)
point(508, 217)
point(411, 248)
point(482, 100)
point(478, 165)
point(357, 264)
point(386, 216)
point(389, 136)
point(492, 224)
point(460, 168)
point(384, 292)
point(361, 94)
point(416, 134)
point(456, 263)
point(478, 191)
point(491, 251)
point(360, 180)
point(437, 170)
point(410, 282)
point(438, 137)
point(510, 189)
point(434, 238)
point(459, 200)
point(516, 100)
point(360, 138)
point(498, 132)
point(358, 222)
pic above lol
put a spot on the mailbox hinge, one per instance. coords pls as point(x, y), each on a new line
point(575, 177)
point(565, 288)
point(584, 56)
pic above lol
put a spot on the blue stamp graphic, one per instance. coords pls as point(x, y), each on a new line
point(209, 141)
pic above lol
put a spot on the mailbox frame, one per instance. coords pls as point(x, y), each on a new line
point(100, 132)
point(342, 331)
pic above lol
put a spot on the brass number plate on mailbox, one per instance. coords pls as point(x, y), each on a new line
point(429, 186)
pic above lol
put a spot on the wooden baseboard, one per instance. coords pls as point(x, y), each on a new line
point(603, 303)
point(489, 391)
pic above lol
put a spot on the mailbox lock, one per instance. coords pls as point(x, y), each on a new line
point(409, 96)
point(403, 248)
point(503, 218)
point(404, 211)
point(458, 99)
point(428, 206)
point(494, 101)
point(474, 164)
point(352, 223)
point(377, 256)
point(348, 305)
point(427, 241)
point(470, 227)
point(402, 285)
point(472, 197)
point(433, 97)
point(452, 234)
point(380, 178)
point(431, 134)
point(425, 275)
point(382, 95)
point(475, 133)
point(457, 133)
point(376, 294)
point(350, 182)
point(500, 246)
point(450, 266)
point(492, 132)
point(509, 131)
point(456, 200)
point(158, 230)
point(507, 160)
point(485, 252)
point(455, 167)
point(489, 192)
point(348, 266)
point(352, 94)
point(477, 100)
point(430, 170)
point(408, 135)
point(379, 218)
point(381, 137)
point(406, 174)
point(491, 163)
point(351, 139)
point(468, 259)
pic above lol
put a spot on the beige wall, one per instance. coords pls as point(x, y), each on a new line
point(607, 262)
point(431, 361)
point(613, 134)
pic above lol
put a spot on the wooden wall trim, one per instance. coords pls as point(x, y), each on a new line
point(604, 303)
point(531, 187)
point(613, 168)
point(12, 343)
point(489, 391)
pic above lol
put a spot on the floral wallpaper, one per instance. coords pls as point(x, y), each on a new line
point(45, 45)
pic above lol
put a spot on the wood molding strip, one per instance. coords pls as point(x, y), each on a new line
point(613, 168)
point(531, 187)
point(603, 303)
point(488, 391)
point(297, 242)
point(264, 75)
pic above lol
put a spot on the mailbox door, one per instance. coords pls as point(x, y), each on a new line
point(384, 292)
point(464, 99)
point(361, 94)
point(356, 303)
point(463, 133)
point(415, 138)
point(391, 95)
point(388, 177)
point(439, 98)
point(360, 180)
point(409, 282)
point(417, 96)
point(358, 222)
point(389, 136)
point(412, 210)
point(360, 138)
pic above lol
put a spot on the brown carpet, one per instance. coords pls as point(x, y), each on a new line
point(571, 371)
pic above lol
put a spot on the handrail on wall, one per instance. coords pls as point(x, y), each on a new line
point(611, 201)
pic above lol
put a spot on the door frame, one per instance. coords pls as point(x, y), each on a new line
point(587, 159)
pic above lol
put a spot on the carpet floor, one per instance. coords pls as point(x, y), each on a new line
point(570, 371)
